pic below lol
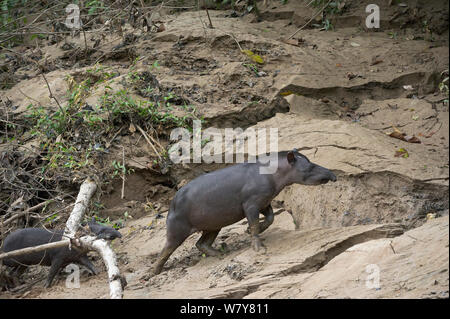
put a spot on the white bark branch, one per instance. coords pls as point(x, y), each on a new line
point(34, 249)
point(87, 189)
point(109, 257)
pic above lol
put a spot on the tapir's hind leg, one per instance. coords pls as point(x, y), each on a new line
point(19, 270)
point(54, 269)
point(84, 260)
point(176, 235)
point(205, 242)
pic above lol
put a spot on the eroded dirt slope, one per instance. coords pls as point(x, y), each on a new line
point(317, 263)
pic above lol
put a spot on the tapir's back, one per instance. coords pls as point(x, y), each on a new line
point(30, 237)
point(216, 198)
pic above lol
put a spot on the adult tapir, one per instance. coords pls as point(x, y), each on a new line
point(223, 197)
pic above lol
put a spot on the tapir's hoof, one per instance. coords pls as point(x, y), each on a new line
point(214, 252)
point(156, 271)
point(256, 244)
point(94, 271)
point(209, 251)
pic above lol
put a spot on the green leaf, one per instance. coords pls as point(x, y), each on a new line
point(256, 58)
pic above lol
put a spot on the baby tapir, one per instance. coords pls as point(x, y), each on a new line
point(223, 197)
point(56, 258)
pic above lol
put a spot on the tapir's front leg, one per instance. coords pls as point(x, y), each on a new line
point(268, 219)
point(252, 214)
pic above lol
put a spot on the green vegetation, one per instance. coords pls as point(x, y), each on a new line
point(333, 8)
point(73, 136)
point(252, 67)
point(443, 86)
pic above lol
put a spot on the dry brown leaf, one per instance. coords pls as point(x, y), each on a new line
point(132, 128)
point(402, 136)
point(161, 28)
point(397, 134)
point(412, 139)
point(351, 75)
point(293, 41)
point(427, 135)
point(376, 61)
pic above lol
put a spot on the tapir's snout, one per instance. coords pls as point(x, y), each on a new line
point(327, 176)
point(332, 177)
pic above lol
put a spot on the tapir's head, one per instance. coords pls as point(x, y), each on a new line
point(305, 172)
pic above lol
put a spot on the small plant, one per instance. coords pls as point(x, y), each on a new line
point(426, 29)
point(327, 25)
point(205, 141)
point(94, 6)
point(119, 168)
point(333, 8)
point(45, 124)
point(103, 221)
point(443, 86)
point(392, 35)
point(121, 221)
point(102, 72)
point(122, 107)
point(155, 65)
point(252, 67)
point(97, 206)
point(12, 18)
point(51, 219)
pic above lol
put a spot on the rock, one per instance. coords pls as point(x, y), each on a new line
point(417, 259)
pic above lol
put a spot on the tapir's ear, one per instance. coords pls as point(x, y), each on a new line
point(290, 157)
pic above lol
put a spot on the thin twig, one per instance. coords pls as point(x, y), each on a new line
point(155, 141)
point(14, 217)
point(312, 18)
point(85, 42)
point(148, 141)
point(233, 37)
point(115, 135)
point(7, 120)
point(29, 97)
point(392, 247)
point(209, 18)
point(123, 173)
point(51, 94)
